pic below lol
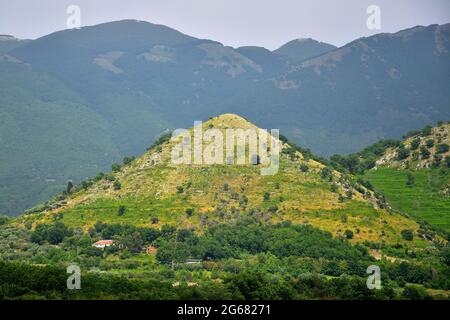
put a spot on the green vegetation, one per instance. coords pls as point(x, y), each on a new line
point(278, 261)
point(427, 199)
point(226, 231)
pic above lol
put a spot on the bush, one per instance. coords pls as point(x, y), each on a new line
point(415, 144)
point(415, 293)
point(304, 168)
point(326, 173)
point(402, 153)
point(52, 233)
point(442, 148)
point(117, 185)
point(189, 212)
point(447, 161)
point(407, 234)
point(128, 160)
point(116, 167)
point(348, 234)
point(4, 219)
point(121, 211)
point(424, 152)
point(410, 180)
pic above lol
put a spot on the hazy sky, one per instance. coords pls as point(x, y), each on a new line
point(267, 23)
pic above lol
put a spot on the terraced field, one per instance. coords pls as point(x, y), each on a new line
point(428, 199)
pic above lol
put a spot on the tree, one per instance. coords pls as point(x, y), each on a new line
point(412, 292)
point(424, 152)
point(415, 144)
point(447, 161)
point(189, 212)
point(116, 167)
point(86, 184)
point(133, 242)
point(304, 168)
point(349, 194)
point(410, 180)
point(427, 131)
point(326, 173)
point(266, 196)
point(53, 233)
point(69, 187)
point(180, 189)
point(402, 153)
point(430, 143)
point(127, 160)
point(334, 188)
point(407, 234)
point(348, 234)
point(121, 211)
point(226, 187)
point(117, 185)
point(442, 148)
point(155, 219)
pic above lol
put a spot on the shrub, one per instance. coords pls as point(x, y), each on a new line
point(402, 153)
point(348, 234)
point(266, 196)
point(117, 185)
point(189, 212)
point(447, 161)
point(424, 152)
point(121, 211)
point(415, 144)
point(52, 233)
point(410, 180)
point(304, 168)
point(426, 131)
point(127, 160)
point(442, 148)
point(116, 167)
point(326, 173)
point(412, 292)
point(407, 234)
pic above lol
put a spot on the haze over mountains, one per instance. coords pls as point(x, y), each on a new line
point(73, 102)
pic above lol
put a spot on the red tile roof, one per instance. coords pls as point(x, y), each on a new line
point(104, 242)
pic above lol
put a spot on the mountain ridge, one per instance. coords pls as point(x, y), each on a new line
point(138, 87)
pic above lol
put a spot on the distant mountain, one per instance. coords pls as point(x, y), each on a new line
point(8, 42)
point(84, 98)
point(301, 49)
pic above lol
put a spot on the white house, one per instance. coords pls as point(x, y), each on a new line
point(102, 244)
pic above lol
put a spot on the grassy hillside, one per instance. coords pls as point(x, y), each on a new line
point(428, 199)
point(303, 192)
point(414, 175)
point(307, 232)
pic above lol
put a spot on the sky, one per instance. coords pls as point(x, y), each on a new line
point(266, 23)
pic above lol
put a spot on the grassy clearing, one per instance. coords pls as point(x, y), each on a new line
point(425, 200)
